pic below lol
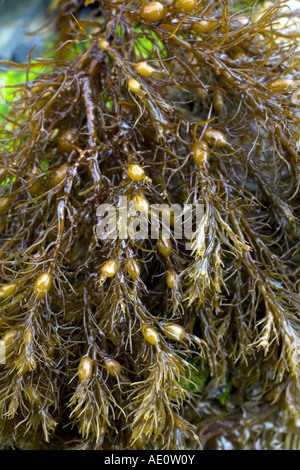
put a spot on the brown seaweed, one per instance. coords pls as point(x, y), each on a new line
point(179, 102)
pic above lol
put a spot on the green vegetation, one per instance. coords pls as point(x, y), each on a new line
point(195, 379)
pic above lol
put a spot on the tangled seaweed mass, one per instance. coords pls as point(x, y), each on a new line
point(141, 343)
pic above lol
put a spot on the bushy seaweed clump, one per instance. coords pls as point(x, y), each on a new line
point(141, 343)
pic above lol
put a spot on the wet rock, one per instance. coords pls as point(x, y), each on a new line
point(17, 19)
